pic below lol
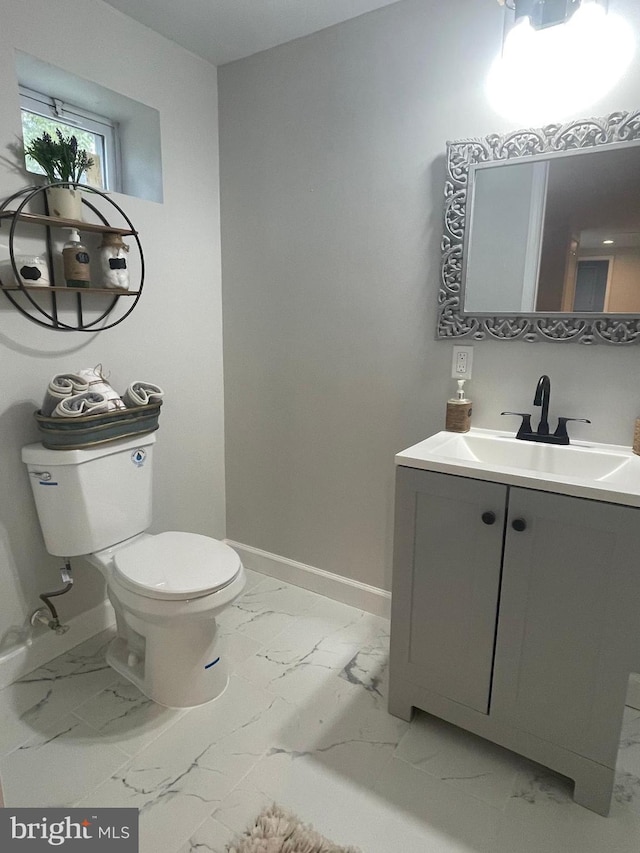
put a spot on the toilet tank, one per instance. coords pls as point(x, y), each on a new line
point(92, 498)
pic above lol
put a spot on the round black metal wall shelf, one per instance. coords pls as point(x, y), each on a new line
point(36, 297)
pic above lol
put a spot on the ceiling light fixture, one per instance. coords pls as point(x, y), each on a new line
point(543, 13)
point(558, 58)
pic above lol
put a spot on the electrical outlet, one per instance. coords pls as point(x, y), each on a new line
point(462, 363)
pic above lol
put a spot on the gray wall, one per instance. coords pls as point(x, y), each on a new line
point(332, 176)
point(174, 335)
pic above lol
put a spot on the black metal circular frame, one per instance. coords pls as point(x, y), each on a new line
point(50, 319)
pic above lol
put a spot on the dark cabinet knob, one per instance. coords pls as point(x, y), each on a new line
point(519, 524)
point(489, 517)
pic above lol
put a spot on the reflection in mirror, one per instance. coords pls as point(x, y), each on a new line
point(556, 234)
point(542, 234)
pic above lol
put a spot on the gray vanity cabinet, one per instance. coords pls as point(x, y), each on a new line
point(516, 615)
point(446, 581)
point(570, 603)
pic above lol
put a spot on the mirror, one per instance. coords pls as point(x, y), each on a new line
point(542, 234)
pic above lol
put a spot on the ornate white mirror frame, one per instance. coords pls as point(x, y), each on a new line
point(453, 321)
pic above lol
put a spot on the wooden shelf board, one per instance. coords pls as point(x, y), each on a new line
point(55, 222)
point(113, 291)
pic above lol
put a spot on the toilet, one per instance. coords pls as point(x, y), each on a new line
point(166, 588)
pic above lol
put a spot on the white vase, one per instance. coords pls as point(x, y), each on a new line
point(65, 202)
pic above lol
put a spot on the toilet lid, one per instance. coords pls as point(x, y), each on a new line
point(176, 565)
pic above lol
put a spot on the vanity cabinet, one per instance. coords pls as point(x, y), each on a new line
point(446, 582)
point(516, 615)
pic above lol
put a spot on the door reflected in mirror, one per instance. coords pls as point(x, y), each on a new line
point(556, 233)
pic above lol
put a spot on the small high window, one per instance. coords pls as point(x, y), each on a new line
point(96, 134)
point(121, 134)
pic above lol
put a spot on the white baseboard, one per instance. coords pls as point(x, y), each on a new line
point(360, 595)
point(47, 644)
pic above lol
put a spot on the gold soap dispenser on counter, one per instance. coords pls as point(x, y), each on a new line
point(459, 410)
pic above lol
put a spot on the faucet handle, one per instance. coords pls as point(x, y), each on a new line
point(561, 429)
point(525, 426)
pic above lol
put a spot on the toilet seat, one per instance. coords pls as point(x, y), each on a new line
point(176, 566)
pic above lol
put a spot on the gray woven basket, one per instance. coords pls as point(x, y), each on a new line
point(90, 430)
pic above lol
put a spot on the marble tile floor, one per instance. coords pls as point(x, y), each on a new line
point(303, 722)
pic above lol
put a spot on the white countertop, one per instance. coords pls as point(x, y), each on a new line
point(604, 472)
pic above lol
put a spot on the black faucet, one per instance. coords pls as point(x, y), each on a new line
point(543, 392)
point(541, 398)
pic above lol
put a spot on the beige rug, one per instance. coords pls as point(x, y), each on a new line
point(278, 831)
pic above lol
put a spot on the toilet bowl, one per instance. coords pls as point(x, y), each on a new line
point(166, 589)
point(168, 640)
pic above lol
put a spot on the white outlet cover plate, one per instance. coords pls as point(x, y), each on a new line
point(466, 374)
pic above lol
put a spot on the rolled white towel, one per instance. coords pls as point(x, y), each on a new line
point(61, 386)
point(88, 403)
point(141, 394)
point(98, 383)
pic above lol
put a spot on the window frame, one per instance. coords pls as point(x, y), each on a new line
point(63, 112)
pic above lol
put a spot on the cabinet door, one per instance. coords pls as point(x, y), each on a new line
point(446, 577)
point(569, 620)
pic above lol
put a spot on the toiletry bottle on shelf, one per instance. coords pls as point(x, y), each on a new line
point(459, 411)
point(75, 258)
point(113, 261)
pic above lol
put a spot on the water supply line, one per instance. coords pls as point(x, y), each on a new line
point(41, 615)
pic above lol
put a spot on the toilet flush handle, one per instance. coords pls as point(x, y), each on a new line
point(41, 475)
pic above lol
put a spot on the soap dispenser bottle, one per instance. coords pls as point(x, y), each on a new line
point(459, 411)
point(75, 259)
point(636, 438)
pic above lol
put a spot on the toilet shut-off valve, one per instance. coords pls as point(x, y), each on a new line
point(49, 616)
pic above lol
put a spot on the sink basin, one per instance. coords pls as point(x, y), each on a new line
point(565, 461)
point(599, 471)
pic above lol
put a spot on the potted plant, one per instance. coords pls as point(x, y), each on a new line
point(62, 161)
